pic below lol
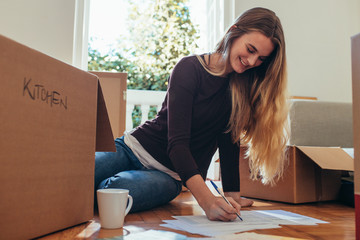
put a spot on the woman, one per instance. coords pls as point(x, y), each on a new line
point(236, 94)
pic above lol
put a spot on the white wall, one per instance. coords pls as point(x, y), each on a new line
point(317, 37)
point(45, 25)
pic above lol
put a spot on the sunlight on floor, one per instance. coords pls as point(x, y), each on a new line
point(193, 202)
point(262, 204)
point(90, 230)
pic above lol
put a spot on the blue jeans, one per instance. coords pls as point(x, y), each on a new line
point(122, 169)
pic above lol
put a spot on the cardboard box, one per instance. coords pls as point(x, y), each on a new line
point(355, 62)
point(114, 86)
point(52, 118)
point(312, 174)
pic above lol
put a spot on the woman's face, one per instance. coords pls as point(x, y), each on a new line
point(250, 50)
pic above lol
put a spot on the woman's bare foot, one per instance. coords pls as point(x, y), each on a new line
point(244, 202)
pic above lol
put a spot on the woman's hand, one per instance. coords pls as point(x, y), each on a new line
point(215, 208)
point(218, 209)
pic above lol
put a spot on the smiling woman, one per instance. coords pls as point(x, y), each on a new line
point(215, 100)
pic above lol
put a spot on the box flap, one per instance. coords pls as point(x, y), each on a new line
point(333, 158)
point(113, 85)
point(104, 136)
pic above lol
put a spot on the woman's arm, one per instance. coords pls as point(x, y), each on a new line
point(183, 87)
point(229, 161)
point(215, 207)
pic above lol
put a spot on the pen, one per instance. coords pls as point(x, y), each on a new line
point(216, 188)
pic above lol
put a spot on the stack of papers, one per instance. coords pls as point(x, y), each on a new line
point(164, 235)
point(264, 219)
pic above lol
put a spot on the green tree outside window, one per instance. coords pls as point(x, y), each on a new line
point(161, 32)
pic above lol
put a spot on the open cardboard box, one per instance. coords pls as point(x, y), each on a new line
point(312, 174)
point(52, 119)
point(355, 62)
point(114, 86)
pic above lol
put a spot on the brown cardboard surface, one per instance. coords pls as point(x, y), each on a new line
point(328, 157)
point(113, 86)
point(355, 60)
point(355, 63)
point(303, 180)
point(48, 118)
point(104, 135)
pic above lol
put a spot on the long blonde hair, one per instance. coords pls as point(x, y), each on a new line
point(259, 97)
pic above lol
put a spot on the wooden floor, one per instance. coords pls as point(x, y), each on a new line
point(340, 217)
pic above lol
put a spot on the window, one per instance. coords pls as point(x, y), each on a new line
point(108, 22)
point(145, 38)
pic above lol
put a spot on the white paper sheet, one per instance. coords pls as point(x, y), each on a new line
point(252, 220)
point(248, 236)
point(289, 218)
point(165, 235)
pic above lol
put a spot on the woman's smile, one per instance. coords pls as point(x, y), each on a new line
point(242, 62)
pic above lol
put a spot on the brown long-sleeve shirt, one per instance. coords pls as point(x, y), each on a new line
point(191, 125)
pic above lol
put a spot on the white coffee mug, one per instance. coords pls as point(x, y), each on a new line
point(112, 207)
